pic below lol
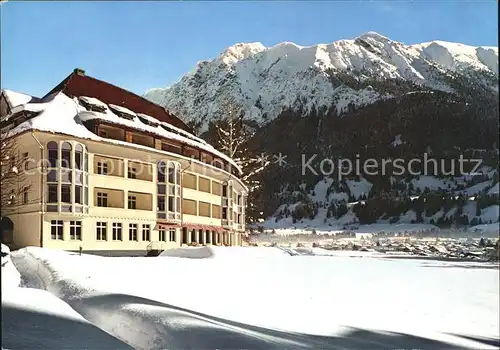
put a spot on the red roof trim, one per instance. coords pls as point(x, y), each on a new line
point(204, 227)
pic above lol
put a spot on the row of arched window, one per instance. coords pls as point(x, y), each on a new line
point(169, 190)
point(67, 177)
point(67, 155)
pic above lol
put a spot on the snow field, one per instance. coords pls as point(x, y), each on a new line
point(182, 302)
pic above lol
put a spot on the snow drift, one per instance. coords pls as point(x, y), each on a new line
point(218, 302)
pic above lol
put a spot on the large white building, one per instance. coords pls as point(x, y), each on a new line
point(107, 171)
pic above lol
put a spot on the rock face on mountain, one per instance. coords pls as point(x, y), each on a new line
point(326, 77)
point(366, 98)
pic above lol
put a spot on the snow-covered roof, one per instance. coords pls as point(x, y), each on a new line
point(170, 127)
point(122, 110)
point(148, 118)
point(70, 113)
point(30, 107)
point(93, 101)
point(16, 98)
point(58, 117)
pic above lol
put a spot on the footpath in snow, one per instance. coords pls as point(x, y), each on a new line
point(37, 319)
point(261, 298)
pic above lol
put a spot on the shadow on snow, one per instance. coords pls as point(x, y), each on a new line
point(28, 329)
point(178, 328)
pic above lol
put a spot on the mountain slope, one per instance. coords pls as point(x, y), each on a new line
point(326, 77)
point(362, 99)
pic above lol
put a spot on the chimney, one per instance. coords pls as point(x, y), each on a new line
point(79, 71)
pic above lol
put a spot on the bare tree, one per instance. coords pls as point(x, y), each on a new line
point(13, 182)
point(232, 136)
point(231, 133)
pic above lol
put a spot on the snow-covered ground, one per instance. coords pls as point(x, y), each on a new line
point(34, 318)
point(361, 230)
point(255, 298)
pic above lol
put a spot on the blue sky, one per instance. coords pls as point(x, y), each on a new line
point(141, 45)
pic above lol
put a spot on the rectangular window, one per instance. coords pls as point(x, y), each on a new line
point(75, 230)
point(146, 232)
point(101, 231)
point(191, 152)
point(117, 231)
point(66, 158)
point(170, 148)
point(53, 158)
point(204, 209)
point(161, 172)
point(25, 195)
point(216, 211)
point(78, 160)
point(102, 199)
point(224, 190)
point(171, 203)
point(66, 193)
point(132, 202)
point(66, 176)
point(102, 168)
point(66, 208)
point(171, 189)
point(132, 232)
point(78, 194)
point(162, 189)
point(52, 176)
point(161, 203)
point(162, 235)
point(189, 181)
point(172, 235)
point(53, 194)
point(56, 229)
point(78, 177)
point(224, 213)
point(171, 175)
point(189, 207)
point(132, 173)
point(204, 184)
point(86, 196)
point(52, 208)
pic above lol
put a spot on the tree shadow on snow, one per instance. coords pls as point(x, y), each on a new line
point(481, 340)
point(28, 329)
point(178, 328)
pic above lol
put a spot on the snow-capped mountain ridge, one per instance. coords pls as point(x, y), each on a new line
point(265, 80)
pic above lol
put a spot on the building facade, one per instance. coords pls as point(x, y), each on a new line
point(107, 171)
